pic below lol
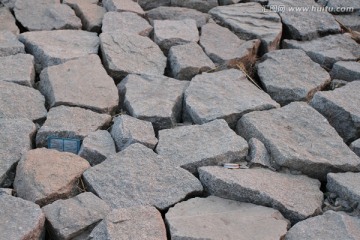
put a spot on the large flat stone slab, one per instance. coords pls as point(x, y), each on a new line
point(123, 6)
point(18, 68)
point(345, 185)
point(9, 44)
point(7, 21)
point(200, 5)
point(346, 70)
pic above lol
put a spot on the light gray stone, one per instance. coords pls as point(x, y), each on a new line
point(217, 218)
point(128, 130)
point(70, 122)
point(345, 185)
point(7, 21)
point(226, 94)
point(200, 5)
point(297, 200)
point(20, 219)
point(150, 4)
point(351, 21)
point(348, 71)
point(190, 147)
point(355, 146)
point(97, 146)
point(258, 155)
point(123, 6)
point(82, 82)
point(9, 44)
point(7, 191)
point(162, 103)
point(18, 68)
point(68, 219)
point(8, 3)
point(137, 176)
point(130, 53)
point(299, 138)
point(340, 4)
point(55, 47)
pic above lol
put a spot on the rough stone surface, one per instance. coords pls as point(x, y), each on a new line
point(70, 218)
point(342, 113)
point(130, 53)
point(290, 75)
point(7, 21)
point(82, 82)
point(128, 130)
point(150, 4)
point(70, 122)
point(97, 146)
point(30, 105)
point(138, 176)
point(191, 147)
point(330, 225)
point(348, 71)
point(337, 83)
point(44, 175)
point(188, 60)
point(217, 218)
point(9, 44)
point(328, 50)
point(355, 146)
point(225, 94)
point(339, 4)
point(123, 6)
point(20, 219)
point(200, 5)
point(345, 185)
point(349, 20)
point(18, 68)
point(7, 191)
point(300, 138)
point(161, 105)
point(8, 3)
point(258, 154)
point(142, 222)
point(297, 200)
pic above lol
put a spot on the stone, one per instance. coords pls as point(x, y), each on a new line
point(350, 21)
point(190, 147)
point(128, 130)
point(8, 3)
point(226, 94)
point(97, 146)
point(18, 68)
point(7, 191)
point(126, 22)
point(16, 136)
point(142, 222)
point(177, 13)
point(297, 200)
point(124, 54)
point(123, 6)
point(330, 225)
point(9, 44)
point(68, 219)
point(248, 21)
point(162, 105)
point(168, 33)
point(7, 21)
point(327, 50)
point(342, 114)
point(138, 176)
point(82, 82)
point(45, 175)
point(300, 138)
point(348, 71)
point(18, 101)
point(337, 83)
point(200, 5)
point(55, 47)
point(217, 218)
point(258, 154)
point(20, 219)
point(188, 60)
point(355, 146)
point(290, 75)
point(345, 185)
point(339, 4)
point(150, 4)
point(70, 122)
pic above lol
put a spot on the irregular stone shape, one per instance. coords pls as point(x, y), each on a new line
point(123, 6)
point(342, 114)
point(82, 82)
point(45, 175)
point(200, 5)
point(142, 222)
point(16, 136)
point(55, 47)
point(258, 154)
point(8, 3)
point(345, 185)
point(7, 21)
point(299, 138)
point(70, 122)
point(161, 105)
point(130, 53)
point(297, 200)
point(340, 4)
point(18, 101)
point(348, 71)
point(18, 68)
point(217, 218)
point(355, 146)
point(327, 50)
point(137, 176)
point(350, 21)
point(194, 146)
point(188, 60)
point(248, 21)
point(70, 218)
point(336, 83)
point(20, 219)
point(168, 33)
point(128, 130)
point(97, 146)
point(330, 225)
point(7, 191)
point(150, 4)
point(9, 44)
point(226, 94)
point(289, 75)
point(126, 22)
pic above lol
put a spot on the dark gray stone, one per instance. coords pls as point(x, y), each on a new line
point(348, 71)
point(123, 6)
point(355, 146)
point(345, 185)
point(200, 5)
point(150, 4)
point(337, 83)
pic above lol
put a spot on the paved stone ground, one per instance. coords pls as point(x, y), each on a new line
point(164, 97)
